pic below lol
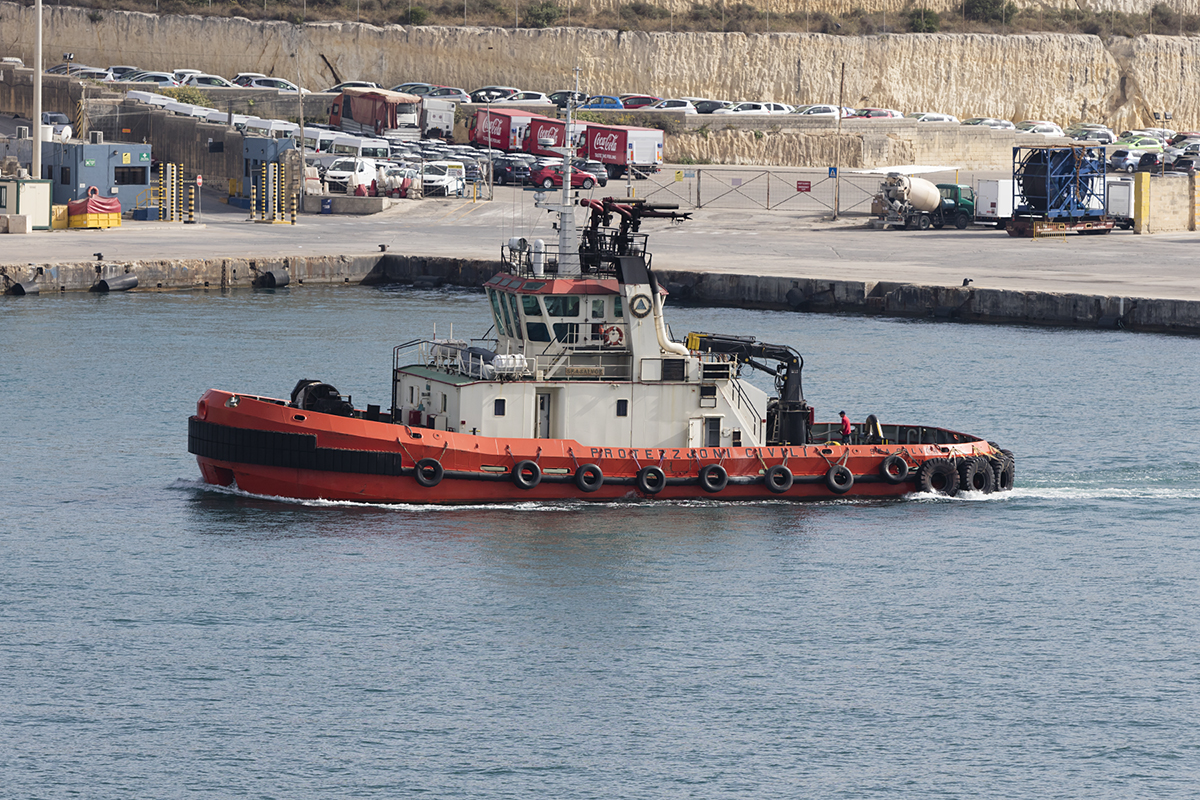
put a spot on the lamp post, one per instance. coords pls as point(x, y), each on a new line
point(35, 162)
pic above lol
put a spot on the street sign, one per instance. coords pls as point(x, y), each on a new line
point(199, 180)
point(803, 186)
point(833, 172)
point(678, 175)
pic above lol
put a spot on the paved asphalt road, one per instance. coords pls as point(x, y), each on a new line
point(761, 242)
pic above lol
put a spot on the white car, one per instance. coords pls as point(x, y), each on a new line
point(158, 78)
point(748, 107)
point(822, 110)
point(181, 75)
point(59, 122)
point(200, 79)
point(1039, 126)
point(447, 178)
point(278, 84)
point(931, 116)
point(346, 173)
point(674, 104)
point(528, 98)
point(990, 122)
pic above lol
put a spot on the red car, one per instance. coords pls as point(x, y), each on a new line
point(550, 176)
point(639, 100)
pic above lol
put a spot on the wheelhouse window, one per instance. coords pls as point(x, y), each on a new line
point(516, 318)
point(494, 297)
point(567, 332)
point(562, 305)
point(538, 332)
point(598, 308)
point(618, 311)
point(531, 305)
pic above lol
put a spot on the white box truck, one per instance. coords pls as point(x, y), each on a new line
point(1119, 202)
point(994, 201)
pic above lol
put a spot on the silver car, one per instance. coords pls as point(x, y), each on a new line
point(1125, 160)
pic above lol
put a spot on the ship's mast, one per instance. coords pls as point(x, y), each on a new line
point(568, 236)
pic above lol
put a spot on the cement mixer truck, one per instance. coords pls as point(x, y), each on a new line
point(910, 202)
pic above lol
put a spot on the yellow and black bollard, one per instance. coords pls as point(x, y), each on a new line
point(162, 195)
point(253, 197)
point(191, 220)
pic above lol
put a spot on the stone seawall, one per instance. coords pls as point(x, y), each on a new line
point(1058, 77)
point(806, 295)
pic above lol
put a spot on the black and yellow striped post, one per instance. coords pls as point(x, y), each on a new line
point(179, 192)
point(265, 193)
point(279, 194)
point(191, 220)
point(253, 197)
point(162, 190)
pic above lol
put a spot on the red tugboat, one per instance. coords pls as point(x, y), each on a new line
point(581, 396)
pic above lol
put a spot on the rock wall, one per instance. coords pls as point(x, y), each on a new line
point(1057, 77)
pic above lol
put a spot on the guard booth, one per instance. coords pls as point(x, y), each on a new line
point(257, 152)
point(116, 169)
point(29, 197)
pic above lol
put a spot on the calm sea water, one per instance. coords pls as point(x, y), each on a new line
point(159, 639)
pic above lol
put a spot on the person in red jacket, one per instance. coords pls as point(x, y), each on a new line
point(846, 429)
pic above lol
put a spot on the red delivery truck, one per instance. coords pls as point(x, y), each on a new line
point(621, 146)
point(551, 130)
point(502, 128)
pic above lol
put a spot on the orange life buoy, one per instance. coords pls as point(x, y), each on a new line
point(93, 191)
point(613, 335)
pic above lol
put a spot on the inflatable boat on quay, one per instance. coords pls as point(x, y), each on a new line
point(581, 394)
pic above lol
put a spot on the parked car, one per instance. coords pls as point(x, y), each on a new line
point(1147, 144)
point(747, 107)
point(990, 122)
point(1179, 137)
point(638, 100)
point(598, 170)
point(414, 88)
point(1125, 160)
point(822, 110)
point(445, 178)
point(60, 124)
point(452, 93)
point(528, 98)
point(550, 176)
point(603, 101)
point(244, 78)
point(506, 170)
point(1150, 162)
point(931, 116)
point(673, 104)
point(1097, 136)
point(351, 85)
point(397, 179)
point(876, 113)
point(709, 106)
point(1166, 134)
point(338, 176)
point(278, 84)
point(492, 94)
point(1075, 129)
point(1039, 126)
point(563, 97)
point(158, 78)
point(1186, 165)
point(92, 74)
point(201, 79)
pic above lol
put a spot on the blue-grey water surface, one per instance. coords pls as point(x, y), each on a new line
point(160, 639)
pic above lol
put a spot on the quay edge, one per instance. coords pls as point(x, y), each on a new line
point(738, 290)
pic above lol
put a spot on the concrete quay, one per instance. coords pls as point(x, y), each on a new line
point(757, 259)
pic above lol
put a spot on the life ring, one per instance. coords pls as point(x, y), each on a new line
point(713, 478)
point(526, 474)
point(614, 335)
point(976, 475)
point(589, 477)
point(778, 479)
point(938, 476)
point(894, 469)
point(651, 480)
point(93, 191)
point(428, 472)
point(839, 479)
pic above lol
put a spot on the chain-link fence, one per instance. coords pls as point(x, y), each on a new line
point(801, 191)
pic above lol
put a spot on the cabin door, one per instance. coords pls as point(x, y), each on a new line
point(542, 429)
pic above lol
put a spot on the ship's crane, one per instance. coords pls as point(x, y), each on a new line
point(788, 416)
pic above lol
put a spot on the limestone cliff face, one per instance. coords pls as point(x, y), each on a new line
point(1056, 77)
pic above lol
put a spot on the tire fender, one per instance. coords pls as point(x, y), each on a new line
point(778, 479)
point(713, 478)
point(839, 479)
point(589, 477)
point(938, 476)
point(894, 469)
point(526, 474)
point(428, 472)
point(651, 480)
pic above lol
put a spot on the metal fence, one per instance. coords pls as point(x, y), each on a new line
point(793, 190)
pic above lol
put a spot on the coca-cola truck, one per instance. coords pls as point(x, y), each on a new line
point(546, 133)
point(620, 147)
point(502, 128)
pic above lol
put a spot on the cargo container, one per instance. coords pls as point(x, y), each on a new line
point(373, 112)
point(994, 201)
point(618, 147)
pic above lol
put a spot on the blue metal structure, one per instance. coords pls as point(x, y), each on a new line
point(1059, 183)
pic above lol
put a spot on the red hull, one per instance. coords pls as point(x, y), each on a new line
point(268, 448)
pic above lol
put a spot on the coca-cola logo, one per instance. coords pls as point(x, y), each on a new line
point(493, 127)
point(550, 136)
point(606, 142)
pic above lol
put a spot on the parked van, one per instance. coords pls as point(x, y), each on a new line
point(345, 173)
point(271, 128)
